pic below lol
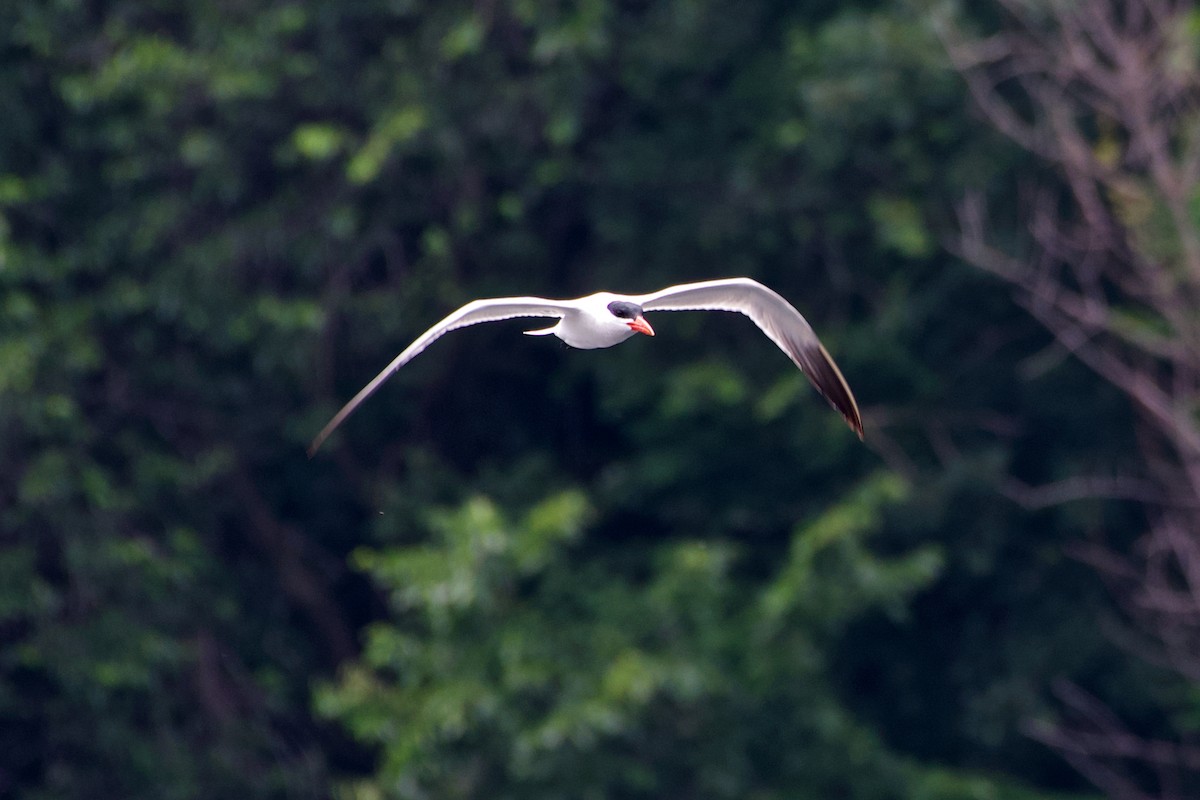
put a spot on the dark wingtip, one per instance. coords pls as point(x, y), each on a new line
point(852, 419)
point(857, 426)
point(826, 376)
point(320, 438)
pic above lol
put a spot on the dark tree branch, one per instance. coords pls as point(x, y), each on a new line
point(1106, 93)
point(308, 588)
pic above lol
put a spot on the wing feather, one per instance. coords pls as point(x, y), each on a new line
point(473, 313)
point(775, 317)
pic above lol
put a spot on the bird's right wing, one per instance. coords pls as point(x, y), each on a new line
point(473, 313)
point(774, 316)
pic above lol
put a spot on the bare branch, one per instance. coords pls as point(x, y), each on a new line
point(1034, 498)
point(1102, 92)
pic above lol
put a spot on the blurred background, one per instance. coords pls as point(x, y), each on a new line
point(664, 570)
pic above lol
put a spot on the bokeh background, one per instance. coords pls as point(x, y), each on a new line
point(664, 570)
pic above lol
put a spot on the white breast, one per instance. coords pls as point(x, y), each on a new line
point(590, 325)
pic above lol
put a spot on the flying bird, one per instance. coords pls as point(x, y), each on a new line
point(605, 319)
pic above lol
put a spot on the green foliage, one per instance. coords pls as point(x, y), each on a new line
point(515, 668)
point(664, 569)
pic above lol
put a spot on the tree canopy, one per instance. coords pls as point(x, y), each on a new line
point(665, 569)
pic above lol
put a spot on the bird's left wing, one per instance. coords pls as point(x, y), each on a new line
point(775, 317)
point(473, 313)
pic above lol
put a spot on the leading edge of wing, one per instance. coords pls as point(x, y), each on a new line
point(778, 319)
point(473, 313)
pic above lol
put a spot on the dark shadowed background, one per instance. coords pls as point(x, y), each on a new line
point(664, 570)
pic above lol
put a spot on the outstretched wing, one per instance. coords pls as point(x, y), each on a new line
point(472, 313)
point(775, 317)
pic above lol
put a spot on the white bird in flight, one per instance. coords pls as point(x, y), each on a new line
point(604, 319)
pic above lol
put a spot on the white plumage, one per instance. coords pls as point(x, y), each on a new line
point(605, 319)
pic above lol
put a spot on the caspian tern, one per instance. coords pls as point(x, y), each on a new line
point(604, 319)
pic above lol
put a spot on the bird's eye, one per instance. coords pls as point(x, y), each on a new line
point(619, 310)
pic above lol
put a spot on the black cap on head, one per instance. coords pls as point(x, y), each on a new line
point(625, 309)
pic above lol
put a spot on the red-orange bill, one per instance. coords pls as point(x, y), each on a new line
point(641, 326)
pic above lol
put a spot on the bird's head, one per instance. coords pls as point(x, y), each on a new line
point(632, 315)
